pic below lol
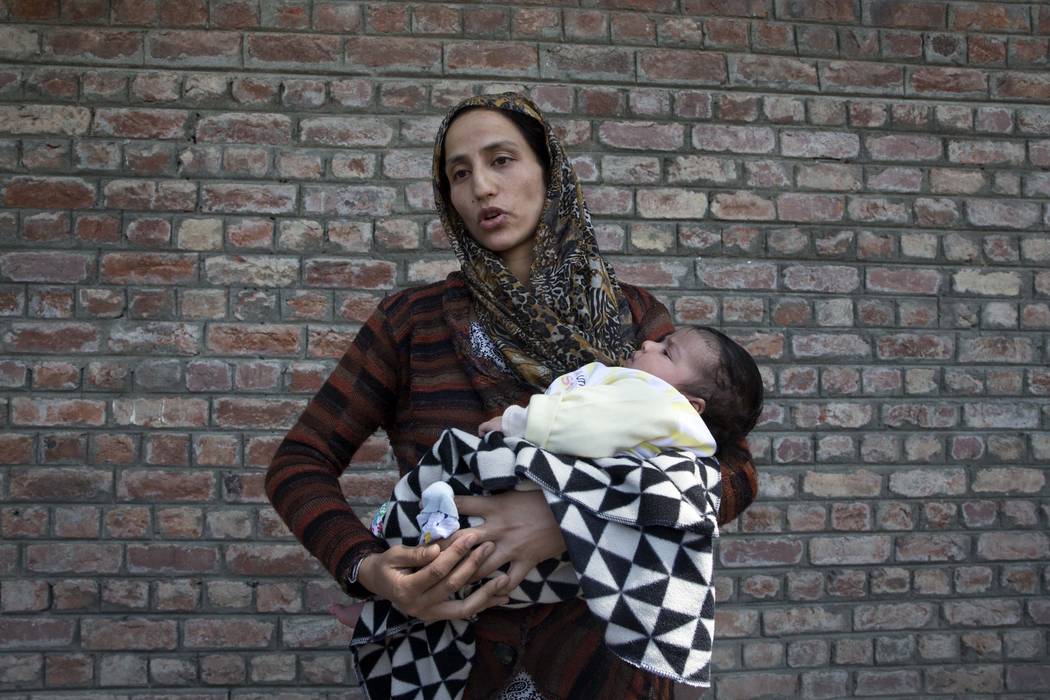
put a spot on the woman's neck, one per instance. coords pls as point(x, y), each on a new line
point(519, 262)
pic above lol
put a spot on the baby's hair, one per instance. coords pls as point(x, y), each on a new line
point(733, 395)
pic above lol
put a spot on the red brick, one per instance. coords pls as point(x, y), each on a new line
point(1022, 86)
point(641, 135)
point(346, 131)
point(57, 412)
point(68, 268)
point(862, 77)
point(733, 139)
point(254, 91)
point(98, 228)
point(349, 200)
point(670, 65)
point(148, 268)
point(63, 670)
point(64, 449)
point(141, 123)
point(161, 413)
point(772, 72)
point(329, 342)
point(36, 633)
point(49, 193)
point(492, 58)
point(537, 22)
point(82, 558)
point(248, 198)
point(270, 340)
point(33, 10)
point(269, 560)
point(178, 559)
point(1002, 213)
point(810, 207)
point(674, 203)
point(907, 15)
point(931, 80)
point(746, 206)
point(195, 48)
point(905, 147)
point(257, 413)
point(151, 195)
point(839, 11)
point(819, 144)
point(988, 18)
point(155, 338)
point(393, 54)
point(632, 28)
point(337, 17)
point(681, 31)
point(293, 49)
point(435, 20)
point(101, 303)
point(13, 374)
point(986, 50)
point(183, 13)
point(236, 14)
point(61, 484)
point(144, 634)
point(222, 633)
point(245, 128)
point(94, 44)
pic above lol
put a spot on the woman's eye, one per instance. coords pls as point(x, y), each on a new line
point(456, 174)
point(501, 160)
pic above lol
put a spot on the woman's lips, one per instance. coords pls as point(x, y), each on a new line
point(494, 222)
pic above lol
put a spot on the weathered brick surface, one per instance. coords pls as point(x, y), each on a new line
point(203, 200)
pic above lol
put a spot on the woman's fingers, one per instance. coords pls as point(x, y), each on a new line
point(515, 575)
point(474, 505)
point(479, 533)
point(466, 570)
point(491, 563)
point(412, 557)
point(441, 566)
point(485, 597)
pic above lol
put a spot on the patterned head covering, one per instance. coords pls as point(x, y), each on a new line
point(573, 311)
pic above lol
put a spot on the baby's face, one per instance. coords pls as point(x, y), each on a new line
point(678, 359)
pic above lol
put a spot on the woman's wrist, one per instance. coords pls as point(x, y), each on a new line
point(361, 573)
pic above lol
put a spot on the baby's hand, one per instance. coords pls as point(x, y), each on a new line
point(492, 424)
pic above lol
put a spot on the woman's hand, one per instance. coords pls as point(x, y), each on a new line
point(491, 425)
point(419, 580)
point(520, 525)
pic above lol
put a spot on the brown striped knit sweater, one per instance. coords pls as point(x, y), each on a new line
point(409, 372)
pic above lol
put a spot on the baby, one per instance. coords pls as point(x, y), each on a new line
point(696, 389)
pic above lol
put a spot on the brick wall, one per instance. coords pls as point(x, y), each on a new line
point(203, 199)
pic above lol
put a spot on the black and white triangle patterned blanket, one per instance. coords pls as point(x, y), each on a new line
point(639, 535)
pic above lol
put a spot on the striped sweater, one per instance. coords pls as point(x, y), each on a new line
point(410, 372)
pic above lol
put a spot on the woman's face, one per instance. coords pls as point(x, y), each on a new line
point(496, 184)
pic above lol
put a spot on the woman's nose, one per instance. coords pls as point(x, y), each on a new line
point(484, 183)
point(647, 345)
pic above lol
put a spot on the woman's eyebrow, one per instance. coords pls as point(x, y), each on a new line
point(494, 146)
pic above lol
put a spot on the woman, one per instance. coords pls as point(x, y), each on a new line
point(533, 299)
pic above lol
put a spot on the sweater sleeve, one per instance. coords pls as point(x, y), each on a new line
point(302, 481)
point(739, 477)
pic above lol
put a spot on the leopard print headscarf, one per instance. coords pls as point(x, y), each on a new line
point(574, 312)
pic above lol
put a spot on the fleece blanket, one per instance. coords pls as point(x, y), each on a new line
point(639, 536)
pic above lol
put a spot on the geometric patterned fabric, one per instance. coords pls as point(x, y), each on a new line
point(639, 536)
